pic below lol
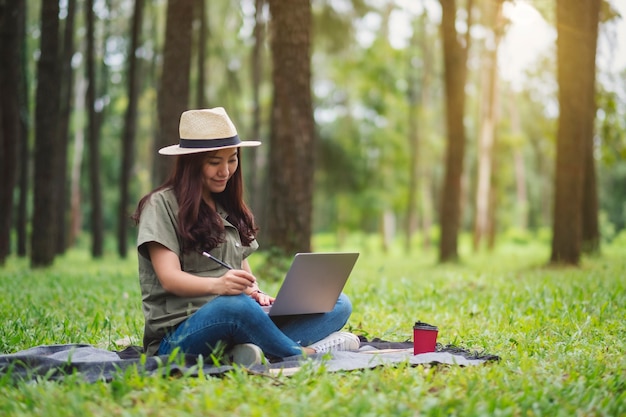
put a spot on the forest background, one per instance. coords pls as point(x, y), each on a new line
point(377, 117)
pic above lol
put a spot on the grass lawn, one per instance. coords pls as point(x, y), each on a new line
point(559, 331)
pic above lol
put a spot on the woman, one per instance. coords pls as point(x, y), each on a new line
point(191, 301)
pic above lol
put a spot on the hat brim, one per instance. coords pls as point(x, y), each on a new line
point(177, 150)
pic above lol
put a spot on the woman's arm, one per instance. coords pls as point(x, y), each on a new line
point(167, 267)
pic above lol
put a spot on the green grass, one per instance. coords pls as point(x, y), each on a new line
point(559, 331)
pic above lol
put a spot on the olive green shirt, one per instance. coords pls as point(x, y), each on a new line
point(163, 310)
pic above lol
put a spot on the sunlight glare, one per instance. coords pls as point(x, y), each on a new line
point(527, 38)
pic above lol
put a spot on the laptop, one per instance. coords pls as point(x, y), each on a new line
point(313, 283)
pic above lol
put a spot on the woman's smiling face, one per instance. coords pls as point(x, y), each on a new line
point(217, 169)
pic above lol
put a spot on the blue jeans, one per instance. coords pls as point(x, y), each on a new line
point(239, 319)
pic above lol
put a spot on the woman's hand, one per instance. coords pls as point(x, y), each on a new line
point(262, 298)
point(167, 267)
point(255, 292)
point(236, 281)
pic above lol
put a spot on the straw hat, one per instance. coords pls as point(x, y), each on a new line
point(206, 130)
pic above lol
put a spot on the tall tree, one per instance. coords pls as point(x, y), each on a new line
point(76, 217)
point(173, 96)
point(292, 142)
point(484, 216)
point(47, 161)
point(64, 121)
point(590, 232)
point(455, 74)
point(521, 193)
point(97, 227)
point(576, 46)
point(258, 162)
point(202, 35)
point(413, 137)
point(23, 157)
point(11, 44)
point(419, 88)
point(130, 127)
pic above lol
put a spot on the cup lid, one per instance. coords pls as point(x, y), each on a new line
point(420, 325)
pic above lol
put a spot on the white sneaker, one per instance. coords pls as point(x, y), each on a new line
point(245, 354)
point(338, 341)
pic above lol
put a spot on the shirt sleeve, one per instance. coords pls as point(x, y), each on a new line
point(159, 223)
point(248, 250)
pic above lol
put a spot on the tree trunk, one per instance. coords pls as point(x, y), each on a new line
point(388, 229)
point(202, 45)
point(46, 202)
point(521, 193)
point(455, 73)
point(414, 167)
point(414, 112)
point(483, 221)
point(427, 210)
point(130, 126)
point(64, 122)
point(11, 44)
point(258, 162)
point(292, 146)
point(23, 157)
point(590, 227)
point(93, 136)
point(76, 217)
point(173, 95)
point(576, 73)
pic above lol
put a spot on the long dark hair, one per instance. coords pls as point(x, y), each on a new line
point(200, 226)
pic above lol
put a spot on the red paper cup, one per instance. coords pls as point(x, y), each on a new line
point(424, 337)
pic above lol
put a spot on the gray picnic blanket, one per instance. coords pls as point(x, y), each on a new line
point(56, 362)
